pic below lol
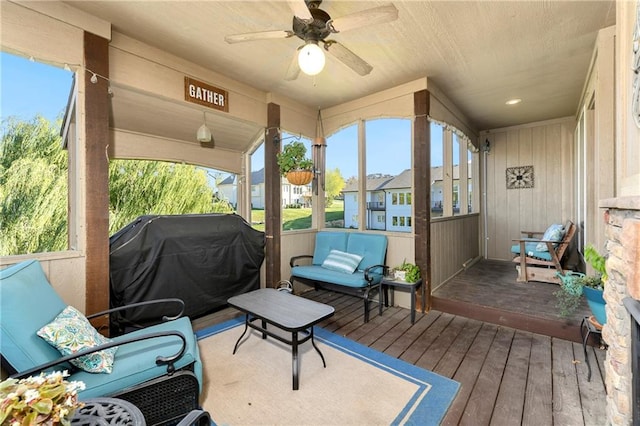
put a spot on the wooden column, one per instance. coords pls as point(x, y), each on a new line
point(96, 174)
point(422, 191)
point(273, 195)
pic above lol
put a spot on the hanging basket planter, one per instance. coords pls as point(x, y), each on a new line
point(300, 177)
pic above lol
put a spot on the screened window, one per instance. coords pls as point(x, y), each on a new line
point(34, 185)
point(341, 181)
point(437, 162)
point(296, 199)
point(388, 160)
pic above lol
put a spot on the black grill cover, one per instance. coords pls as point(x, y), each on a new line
point(201, 259)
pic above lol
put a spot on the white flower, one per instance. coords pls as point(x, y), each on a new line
point(31, 394)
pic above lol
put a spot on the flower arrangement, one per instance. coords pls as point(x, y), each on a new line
point(44, 399)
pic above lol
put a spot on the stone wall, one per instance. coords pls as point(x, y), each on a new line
point(622, 218)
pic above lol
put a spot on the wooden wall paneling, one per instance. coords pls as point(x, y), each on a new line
point(568, 171)
point(540, 199)
point(96, 59)
point(527, 209)
point(498, 215)
point(554, 184)
point(513, 224)
point(273, 197)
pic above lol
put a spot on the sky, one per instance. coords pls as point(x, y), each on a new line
point(28, 88)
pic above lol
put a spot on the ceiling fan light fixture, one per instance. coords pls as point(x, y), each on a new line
point(311, 58)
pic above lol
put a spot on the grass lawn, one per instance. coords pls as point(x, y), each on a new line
point(298, 218)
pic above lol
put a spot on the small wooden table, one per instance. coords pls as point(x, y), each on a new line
point(285, 311)
point(403, 285)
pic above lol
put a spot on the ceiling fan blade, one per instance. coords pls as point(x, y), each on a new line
point(300, 10)
point(260, 35)
point(376, 15)
point(294, 68)
point(347, 57)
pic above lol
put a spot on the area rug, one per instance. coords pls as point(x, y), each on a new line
point(359, 386)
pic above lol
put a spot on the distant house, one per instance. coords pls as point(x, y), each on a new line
point(398, 202)
point(389, 200)
point(375, 199)
point(291, 194)
point(228, 189)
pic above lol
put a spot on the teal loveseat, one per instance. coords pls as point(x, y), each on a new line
point(356, 265)
point(157, 368)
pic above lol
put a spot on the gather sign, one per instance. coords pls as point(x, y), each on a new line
point(205, 94)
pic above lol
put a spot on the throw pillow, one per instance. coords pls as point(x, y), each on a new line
point(71, 332)
point(341, 261)
point(554, 232)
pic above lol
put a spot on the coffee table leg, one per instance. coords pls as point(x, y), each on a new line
point(295, 365)
point(264, 327)
point(246, 327)
point(413, 304)
point(313, 342)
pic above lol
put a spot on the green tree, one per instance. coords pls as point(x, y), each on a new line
point(333, 185)
point(33, 189)
point(138, 187)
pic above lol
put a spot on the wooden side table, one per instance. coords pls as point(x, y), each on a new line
point(405, 286)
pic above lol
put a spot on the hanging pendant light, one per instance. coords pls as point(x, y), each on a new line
point(204, 134)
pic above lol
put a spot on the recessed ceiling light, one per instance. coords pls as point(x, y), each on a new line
point(513, 101)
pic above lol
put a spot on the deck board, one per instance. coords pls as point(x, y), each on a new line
point(566, 395)
point(510, 401)
point(538, 396)
point(484, 394)
point(468, 373)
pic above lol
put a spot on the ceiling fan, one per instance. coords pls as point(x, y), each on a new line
point(314, 25)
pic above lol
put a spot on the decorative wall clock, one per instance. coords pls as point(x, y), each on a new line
point(519, 177)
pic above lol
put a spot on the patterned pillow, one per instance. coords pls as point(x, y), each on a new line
point(341, 261)
point(71, 332)
point(554, 232)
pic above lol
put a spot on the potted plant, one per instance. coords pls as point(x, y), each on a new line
point(408, 272)
point(294, 165)
point(575, 284)
point(43, 399)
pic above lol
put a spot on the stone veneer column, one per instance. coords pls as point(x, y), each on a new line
point(622, 217)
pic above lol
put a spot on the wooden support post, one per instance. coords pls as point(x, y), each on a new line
point(422, 191)
point(96, 175)
point(273, 196)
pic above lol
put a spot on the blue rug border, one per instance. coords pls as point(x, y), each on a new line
point(438, 392)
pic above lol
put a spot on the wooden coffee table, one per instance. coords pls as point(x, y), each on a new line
point(285, 311)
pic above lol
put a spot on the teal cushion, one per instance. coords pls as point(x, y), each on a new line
point(530, 249)
point(554, 232)
point(71, 332)
point(372, 248)
point(136, 362)
point(318, 273)
point(341, 261)
point(327, 241)
point(27, 302)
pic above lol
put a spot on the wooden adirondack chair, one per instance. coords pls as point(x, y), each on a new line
point(534, 265)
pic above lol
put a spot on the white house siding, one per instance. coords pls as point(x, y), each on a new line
point(351, 210)
point(398, 215)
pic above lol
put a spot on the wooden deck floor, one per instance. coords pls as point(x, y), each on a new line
point(488, 291)
point(507, 376)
